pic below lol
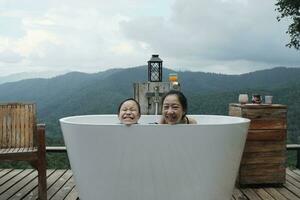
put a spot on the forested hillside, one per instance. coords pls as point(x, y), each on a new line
point(100, 93)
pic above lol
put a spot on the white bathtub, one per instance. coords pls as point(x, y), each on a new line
point(111, 161)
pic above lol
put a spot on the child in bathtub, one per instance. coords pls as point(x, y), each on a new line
point(174, 109)
point(129, 111)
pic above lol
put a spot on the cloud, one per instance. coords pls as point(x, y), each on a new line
point(10, 57)
point(217, 30)
point(228, 36)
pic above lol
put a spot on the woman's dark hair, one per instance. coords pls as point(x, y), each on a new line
point(181, 98)
point(129, 99)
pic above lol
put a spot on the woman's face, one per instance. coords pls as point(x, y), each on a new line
point(172, 110)
point(129, 113)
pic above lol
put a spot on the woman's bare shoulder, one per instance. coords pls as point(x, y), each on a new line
point(192, 120)
point(162, 121)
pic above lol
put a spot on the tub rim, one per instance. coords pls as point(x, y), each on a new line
point(237, 120)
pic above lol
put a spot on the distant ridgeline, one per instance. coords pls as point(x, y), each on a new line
point(100, 93)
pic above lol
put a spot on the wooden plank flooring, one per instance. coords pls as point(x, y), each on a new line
point(17, 184)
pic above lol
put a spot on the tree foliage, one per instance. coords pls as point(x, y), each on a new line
point(291, 9)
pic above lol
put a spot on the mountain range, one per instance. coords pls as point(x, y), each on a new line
point(29, 75)
point(100, 93)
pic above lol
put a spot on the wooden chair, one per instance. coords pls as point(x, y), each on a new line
point(21, 139)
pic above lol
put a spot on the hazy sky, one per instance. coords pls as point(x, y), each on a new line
point(222, 36)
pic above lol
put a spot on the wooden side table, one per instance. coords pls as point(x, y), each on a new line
point(264, 156)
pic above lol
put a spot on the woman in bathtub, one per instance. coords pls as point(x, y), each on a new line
point(129, 111)
point(174, 109)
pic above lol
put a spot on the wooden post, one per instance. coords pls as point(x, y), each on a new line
point(298, 159)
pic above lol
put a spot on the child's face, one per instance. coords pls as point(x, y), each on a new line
point(129, 113)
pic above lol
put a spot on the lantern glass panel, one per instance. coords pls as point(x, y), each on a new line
point(155, 74)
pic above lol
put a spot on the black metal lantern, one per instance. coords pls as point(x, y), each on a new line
point(155, 69)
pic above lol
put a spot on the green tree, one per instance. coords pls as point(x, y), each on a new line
point(291, 9)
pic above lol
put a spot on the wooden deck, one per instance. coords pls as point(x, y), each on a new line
point(22, 184)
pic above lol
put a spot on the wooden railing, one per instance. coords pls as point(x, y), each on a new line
point(289, 147)
point(295, 147)
point(56, 149)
